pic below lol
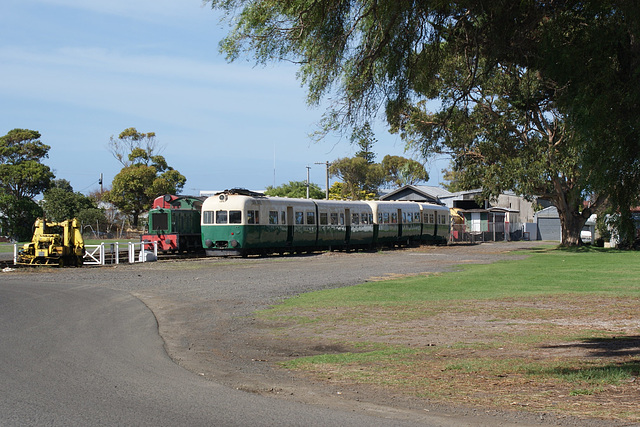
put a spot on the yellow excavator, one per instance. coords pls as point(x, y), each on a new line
point(47, 248)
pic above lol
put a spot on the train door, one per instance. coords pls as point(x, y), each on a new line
point(347, 219)
point(289, 225)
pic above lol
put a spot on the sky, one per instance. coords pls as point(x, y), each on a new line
point(80, 72)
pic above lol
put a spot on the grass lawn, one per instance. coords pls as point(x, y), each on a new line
point(558, 331)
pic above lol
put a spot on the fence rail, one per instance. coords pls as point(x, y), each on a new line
point(110, 253)
point(486, 232)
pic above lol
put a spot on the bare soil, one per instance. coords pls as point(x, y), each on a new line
point(206, 314)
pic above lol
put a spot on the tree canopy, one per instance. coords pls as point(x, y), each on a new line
point(60, 203)
point(296, 189)
point(576, 61)
point(22, 174)
point(144, 177)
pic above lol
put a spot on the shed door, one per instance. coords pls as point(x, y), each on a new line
point(549, 229)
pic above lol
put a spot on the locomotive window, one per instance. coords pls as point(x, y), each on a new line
point(273, 217)
point(324, 220)
point(299, 218)
point(355, 219)
point(159, 221)
point(207, 217)
point(235, 217)
point(334, 218)
point(221, 217)
point(253, 217)
point(311, 218)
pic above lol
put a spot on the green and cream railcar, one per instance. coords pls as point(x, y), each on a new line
point(435, 223)
point(251, 223)
point(243, 224)
point(396, 222)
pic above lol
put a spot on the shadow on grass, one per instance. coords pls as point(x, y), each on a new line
point(606, 347)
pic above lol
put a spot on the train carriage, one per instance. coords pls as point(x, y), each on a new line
point(240, 222)
point(396, 222)
point(435, 223)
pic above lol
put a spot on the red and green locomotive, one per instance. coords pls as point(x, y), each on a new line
point(174, 222)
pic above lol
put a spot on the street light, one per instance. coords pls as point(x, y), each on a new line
point(327, 183)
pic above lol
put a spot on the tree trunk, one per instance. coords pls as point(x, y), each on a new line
point(572, 223)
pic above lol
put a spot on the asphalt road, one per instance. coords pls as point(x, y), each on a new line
point(86, 355)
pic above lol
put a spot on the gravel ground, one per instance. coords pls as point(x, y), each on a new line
point(205, 307)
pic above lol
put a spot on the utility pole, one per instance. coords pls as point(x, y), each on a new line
point(327, 183)
point(100, 182)
point(308, 167)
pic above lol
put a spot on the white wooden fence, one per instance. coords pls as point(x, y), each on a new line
point(110, 253)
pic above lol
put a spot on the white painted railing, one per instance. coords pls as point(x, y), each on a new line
point(109, 253)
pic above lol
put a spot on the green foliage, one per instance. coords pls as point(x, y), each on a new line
point(18, 216)
point(401, 171)
point(338, 191)
point(522, 88)
point(358, 176)
point(61, 203)
point(22, 175)
point(296, 189)
point(145, 175)
point(364, 138)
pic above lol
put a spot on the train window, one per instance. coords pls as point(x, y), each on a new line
point(385, 218)
point(159, 221)
point(207, 217)
point(341, 218)
point(394, 218)
point(355, 219)
point(221, 217)
point(425, 218)
point(334, 218)
point(404, 217)
point(431, 219)
point(299, 218)
point(311, 218)
point(380, 218)
point(253, 217)
point(364, 217)
point(324, 218)
point(273, 217)
point(235, 217)
point(370, 218)
point(283, 217)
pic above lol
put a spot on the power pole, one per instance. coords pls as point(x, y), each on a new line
point(327, 183)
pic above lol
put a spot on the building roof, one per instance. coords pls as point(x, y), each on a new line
point(416, 193)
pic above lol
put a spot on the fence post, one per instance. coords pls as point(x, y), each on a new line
point(102, 254)
point(15, 254)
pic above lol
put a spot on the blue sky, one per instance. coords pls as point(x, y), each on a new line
point(82, 71)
